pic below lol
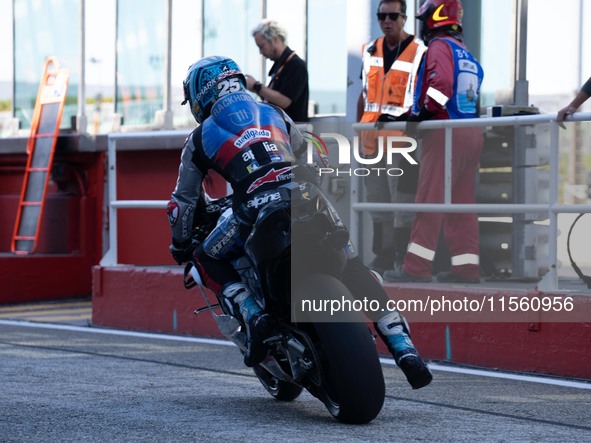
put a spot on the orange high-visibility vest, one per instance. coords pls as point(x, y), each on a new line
point(390, 93)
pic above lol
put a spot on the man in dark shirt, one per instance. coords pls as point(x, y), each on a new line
point(288, 84)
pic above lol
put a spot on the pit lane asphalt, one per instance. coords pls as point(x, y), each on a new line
point(68, 383)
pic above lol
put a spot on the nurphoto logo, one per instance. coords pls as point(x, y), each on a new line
point(387, 147)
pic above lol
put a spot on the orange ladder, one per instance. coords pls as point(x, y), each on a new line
point(40, 149)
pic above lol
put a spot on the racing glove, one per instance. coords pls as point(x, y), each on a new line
point(182, 252)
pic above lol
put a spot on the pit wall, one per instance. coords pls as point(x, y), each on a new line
point(75, 224)
point(154, 299)
point(145, 291)
point(69, 243)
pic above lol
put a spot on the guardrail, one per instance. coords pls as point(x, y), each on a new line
point(553, 208)
point(174, 140)
point(111, 256)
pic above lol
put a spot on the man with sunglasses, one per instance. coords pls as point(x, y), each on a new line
point(390, 65)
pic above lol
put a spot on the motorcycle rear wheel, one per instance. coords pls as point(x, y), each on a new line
point(279, 389)
point(354, 383)
point(353, 388)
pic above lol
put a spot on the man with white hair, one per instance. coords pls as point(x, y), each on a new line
point(288, 84)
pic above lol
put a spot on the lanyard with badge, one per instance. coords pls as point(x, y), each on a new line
point(276, 74)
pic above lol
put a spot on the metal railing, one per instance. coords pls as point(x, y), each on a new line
point(111, 256)
point(174, 140)
point(552, 208)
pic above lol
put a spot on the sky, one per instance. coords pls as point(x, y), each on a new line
point(553, 64)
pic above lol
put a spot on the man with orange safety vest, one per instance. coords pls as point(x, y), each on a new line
point(390, 66)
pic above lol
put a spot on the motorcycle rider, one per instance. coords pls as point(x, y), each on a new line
point(254, 147)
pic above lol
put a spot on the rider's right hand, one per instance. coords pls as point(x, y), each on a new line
point(182, 252)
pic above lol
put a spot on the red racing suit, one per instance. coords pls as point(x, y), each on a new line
point(449, 86)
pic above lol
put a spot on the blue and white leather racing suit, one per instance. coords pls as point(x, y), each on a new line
point(250, 145)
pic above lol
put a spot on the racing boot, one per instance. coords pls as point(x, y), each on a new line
point(394, 331)
point(257, 322)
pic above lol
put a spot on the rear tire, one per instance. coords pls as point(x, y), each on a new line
point(353, 388)
point(279, 389)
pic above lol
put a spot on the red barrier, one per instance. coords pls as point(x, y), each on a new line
point(154, 299)
point(70, 239)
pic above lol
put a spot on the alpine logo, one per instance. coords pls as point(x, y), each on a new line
point(273, 175)
point(222, 242)
point(261, 200)
point(186, 221)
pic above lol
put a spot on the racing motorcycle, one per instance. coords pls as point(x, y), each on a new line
point(296, 252)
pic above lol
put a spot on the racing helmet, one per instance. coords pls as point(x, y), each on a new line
point(209, 79)
point(436, 14)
